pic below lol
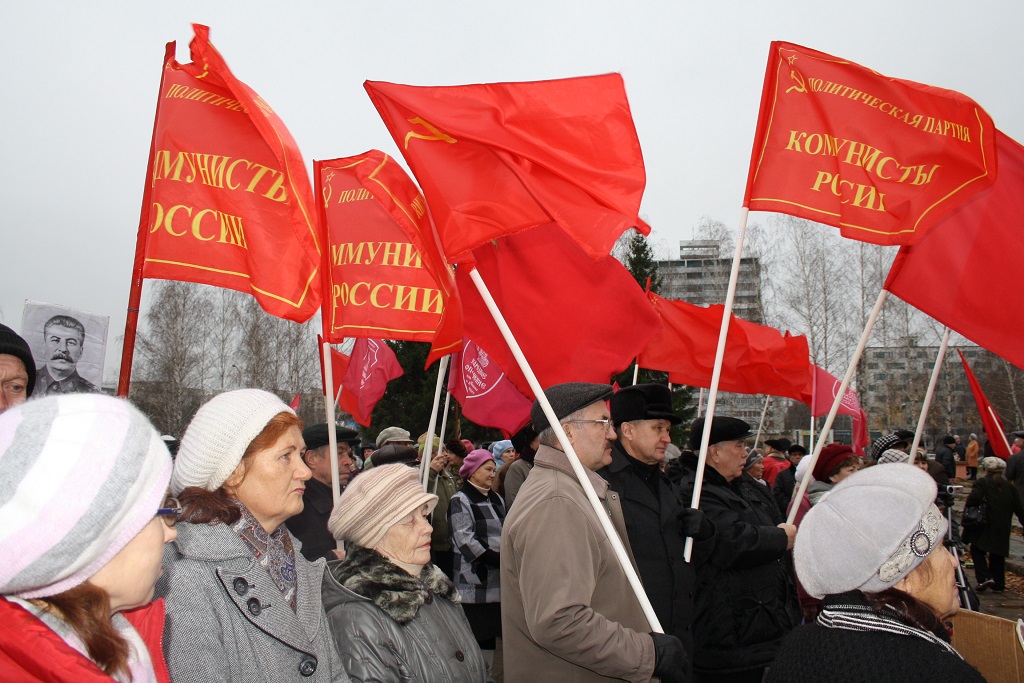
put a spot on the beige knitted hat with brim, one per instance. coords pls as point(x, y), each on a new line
point(375, 501)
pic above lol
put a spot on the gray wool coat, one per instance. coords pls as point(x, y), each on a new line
point(227, 620)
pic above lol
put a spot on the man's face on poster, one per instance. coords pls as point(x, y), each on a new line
point(63, 347)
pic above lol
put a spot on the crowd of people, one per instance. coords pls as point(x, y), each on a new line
point(233, 562)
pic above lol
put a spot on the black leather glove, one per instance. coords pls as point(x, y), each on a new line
point(670, 661)
point(491, 558)
point(692, 522)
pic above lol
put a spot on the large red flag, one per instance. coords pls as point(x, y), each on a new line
point(228, 201)
point(822, 393)
point(758, 359)
point(965, 272)
point(576, 319)
point(499, 158)
point(880, 158)
point(485, 393)
point(384, 275)
point(989, 420)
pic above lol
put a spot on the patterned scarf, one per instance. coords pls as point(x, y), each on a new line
point(273, 551)
point(852, 617)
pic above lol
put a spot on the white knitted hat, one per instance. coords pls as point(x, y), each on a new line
point(375, 501)
point(218, 435)
point(80, 476)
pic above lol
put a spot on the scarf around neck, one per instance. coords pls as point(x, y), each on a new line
point(274, 552)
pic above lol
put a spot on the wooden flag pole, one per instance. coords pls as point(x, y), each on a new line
point(932, 381)
point(428, 444)
point(581, 474)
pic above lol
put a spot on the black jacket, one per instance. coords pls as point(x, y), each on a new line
point(310, 525)
point(652, 524)
point(782, 489)
point(746, 593)
point(944, 456)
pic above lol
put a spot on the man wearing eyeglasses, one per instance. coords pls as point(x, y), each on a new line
point(568, 612)
point(657, 524)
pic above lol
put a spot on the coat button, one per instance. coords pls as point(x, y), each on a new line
point(459, 656)
point(254, 606)
point(307, 667)
point(240, 585)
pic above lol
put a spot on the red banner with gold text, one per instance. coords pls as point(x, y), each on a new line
point(880, 158)
point(384, 276)
point(229, 202)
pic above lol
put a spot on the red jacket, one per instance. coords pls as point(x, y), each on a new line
point(772, 467)
point(30, 652)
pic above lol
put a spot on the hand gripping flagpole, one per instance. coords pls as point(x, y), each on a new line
point(932, 381)
point(577, 467)
point(798, 495)
point(428, 444)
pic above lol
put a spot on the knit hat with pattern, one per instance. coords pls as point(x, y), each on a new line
point(82, 474)
point(218, 435)
point(375, 501)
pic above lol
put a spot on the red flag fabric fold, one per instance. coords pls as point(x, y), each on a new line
point(576, 319)
point(965, 271)
point(362, 377)
point(499, 158)
point(989, 420)
point(484, 391)
point(822, 393)
point(880, 158)
point(228, 202)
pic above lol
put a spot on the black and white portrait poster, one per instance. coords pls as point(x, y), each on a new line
point(69, 347)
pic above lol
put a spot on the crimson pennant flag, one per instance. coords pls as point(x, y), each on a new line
point(880, 158)
point(383, 272)
point(758, 359)
point(496, 159)
point(294, 405)
point(371, 366)
point(965, 271)
point(823, 390)
point(228, 201)
point(576, 319)
point(485, 393)
point(989, 420)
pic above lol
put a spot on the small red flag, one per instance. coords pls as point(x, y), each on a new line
point(228, 201)
point(821, 395)
point(576, 319)
point(499, 158)
point(965, 272)
point(294, 405)
point(758, 359)
point(989, 420)
point(485, 393)
point(339, 366)
point(880, 158)
point(384, 275)
point(371, 366)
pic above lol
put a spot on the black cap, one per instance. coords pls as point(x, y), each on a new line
point(722, 429)
point(12, 344)
point(393, 453)
point(566, 399)
point(796, 448)
point(904, 435)
point(948, 440)
point(643, 402)
point(317, 435)
point(782, 444)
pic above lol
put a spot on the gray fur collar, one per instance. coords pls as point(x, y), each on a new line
point(400, 595)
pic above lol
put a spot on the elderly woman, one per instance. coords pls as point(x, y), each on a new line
point(475, 517)
point(755, 489)
point(990, 544)
point(886, 587)
point(395, 616)
point(85, 516)
point(242, 602)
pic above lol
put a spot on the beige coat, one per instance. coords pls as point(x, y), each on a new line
point(568, 612)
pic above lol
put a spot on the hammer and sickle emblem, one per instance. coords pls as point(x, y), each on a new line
point(435, 134)
point(800, 86)
point(327, 193)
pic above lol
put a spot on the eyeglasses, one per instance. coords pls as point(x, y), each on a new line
point(606, 423)
point(170, 511)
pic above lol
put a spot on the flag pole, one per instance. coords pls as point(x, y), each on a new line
point(636, 370)
point(700, 403)
point(757, 438)
point(444, 424)
point(332, 436)
point(798, 495)
point(716, 373)
point(932, 381)
point(581, 474)
point(428, 444)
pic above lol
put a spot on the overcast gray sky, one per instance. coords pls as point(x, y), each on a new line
point(80, 82)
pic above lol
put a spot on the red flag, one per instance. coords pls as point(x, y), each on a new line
point(485, 393)
point(989, 420)
point(339, 366)
point(822, 394)
point(880, 158)
point(384, 275)
point(965, 272)
point(577, 320)
point(758, 359)
point(499, 158)
point(371, 366)
point(228, 201)
point(294, 405)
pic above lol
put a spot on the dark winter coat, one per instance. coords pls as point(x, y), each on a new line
point(392, 626)
point(944, 456)
point(783, 488)
point(1003, 501)
point(759, 495)
point(310, 525)
point(746, 593)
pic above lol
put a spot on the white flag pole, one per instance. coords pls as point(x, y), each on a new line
point(636, 371)
point(581, 474)
point(760, 425)
point(700, 403)
point(932, 381)
point(428, 444)
point(798, 495)
point(716, 373)
point(332, 436)
point(444, 424)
